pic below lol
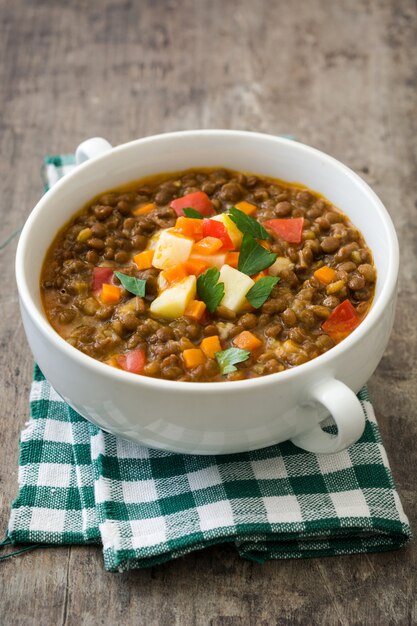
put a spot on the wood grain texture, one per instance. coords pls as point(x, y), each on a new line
point(341, 76)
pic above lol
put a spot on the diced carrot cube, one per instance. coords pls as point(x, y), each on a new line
point(246, 207)
point(211, 345)
point(142, 210)
point(193, 357)
point(232, 259)
point(110, 294)
point(247, 306)
point(112, 361)
point(208, 245)
point(195, 266)
point(195, 309)
point(175, 274)
point(265, 244)
point(259, 275)
point(247, 341)
point(325, 274)
point(218, 259)
point(190, 227)
point(143, 260)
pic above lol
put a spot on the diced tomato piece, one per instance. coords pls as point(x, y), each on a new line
point(287, 229)
point(133, 361)
point(199, 201)
point(211, 228)
point(101, 275)
point(342, 321)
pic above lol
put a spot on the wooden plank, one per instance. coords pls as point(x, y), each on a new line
point(339, 76)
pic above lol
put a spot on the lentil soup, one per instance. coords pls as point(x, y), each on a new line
point(207, 275)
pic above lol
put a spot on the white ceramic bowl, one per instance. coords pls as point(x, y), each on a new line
point(209, 418)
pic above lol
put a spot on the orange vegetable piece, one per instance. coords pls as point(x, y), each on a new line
point(208, 245)
point(325, 274)
point(246, 207)
point(247, 306)
point(265, 244)
point(232, 259)
point(259, 275)
point(195, 309)
point(211, 345)
point(110, 294)
point(190, 227)
point(143, 260)
point(142, 210)
point(112, 361)
point(193, 357)
point(175, 274)
point(247, 341)
point(195, 266)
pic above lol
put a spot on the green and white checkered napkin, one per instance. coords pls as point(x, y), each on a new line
point(79, 485)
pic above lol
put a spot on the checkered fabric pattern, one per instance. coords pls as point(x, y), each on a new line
point(79, 485)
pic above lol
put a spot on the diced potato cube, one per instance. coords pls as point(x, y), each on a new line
point(153, 241)
point(162, 282)
point(172, 302)
point(234, 233)
point(171, 249)
point(236, 286)
point(281, 264)
point(127, 307)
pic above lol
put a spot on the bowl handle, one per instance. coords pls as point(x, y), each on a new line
point(91, 148)
point(347, 412)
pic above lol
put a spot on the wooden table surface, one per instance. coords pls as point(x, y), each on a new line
point(340, 76)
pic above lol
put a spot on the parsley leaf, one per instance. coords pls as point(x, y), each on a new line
point(253, 258)
point(246, 224)
point(209, 290)
point(228, 358)
point(189, 212)
point(259, 293)
point(132, 284)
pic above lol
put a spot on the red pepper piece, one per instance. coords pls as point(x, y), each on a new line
point(342, 321)
point(101, 275)
point(133, 361)
point(199, 201)
point(211, 228)
point(287, 229)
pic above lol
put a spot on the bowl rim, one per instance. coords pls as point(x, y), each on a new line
point(225, 387)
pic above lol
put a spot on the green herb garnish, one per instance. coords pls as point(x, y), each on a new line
point(253, 258)
point(189, 212)
point(246, 224)
point(261, 290)
point(132, 284)
point(209, 290)
point(228, 358)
